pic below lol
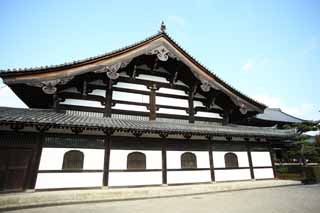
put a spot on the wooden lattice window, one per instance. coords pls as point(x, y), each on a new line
point(188, 160)
point(73, 160)
point(136, 160)
point(231, 160)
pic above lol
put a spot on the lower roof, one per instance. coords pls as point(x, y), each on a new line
point(275, 114)
point(32, 117)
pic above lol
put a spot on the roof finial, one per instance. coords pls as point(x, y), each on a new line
point(163, 27)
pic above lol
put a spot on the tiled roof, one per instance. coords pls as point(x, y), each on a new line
point(275, 114)
point(63, 120)
point(119, 51)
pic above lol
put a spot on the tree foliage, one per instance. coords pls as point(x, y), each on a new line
point(303, 149)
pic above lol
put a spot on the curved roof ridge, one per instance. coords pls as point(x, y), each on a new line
point(118, 51)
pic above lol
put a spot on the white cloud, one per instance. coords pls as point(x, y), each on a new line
point(303, 110)
point(248, 66)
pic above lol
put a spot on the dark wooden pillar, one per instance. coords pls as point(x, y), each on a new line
point(107, 147)
point(191, 108)
point(37, 158)
point(152, 102)
point(272, 162)
point(250, 162)
point(108, 102)
point(164, 163)
point(211, 163)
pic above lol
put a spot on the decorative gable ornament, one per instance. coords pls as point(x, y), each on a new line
point(112, 70)
point(162, 53)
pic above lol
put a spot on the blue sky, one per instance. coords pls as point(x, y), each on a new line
point(269, 50)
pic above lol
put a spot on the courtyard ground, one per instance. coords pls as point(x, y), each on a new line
point(301, 198)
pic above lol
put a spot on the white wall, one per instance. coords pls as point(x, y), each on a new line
point(218, 158)
point(263, 173)
point(69, 180)
point(174, 159)
point(171, 101)
point(118, 158)
point(99, 92)
point(232, 174)
point(135, 178)
point(174, 177)
point(261, 159)
point(52, 158)
point(132, 97)
point(87, 103)
point(208, 115)
point(131, 86)
point(131, 107)
point(172, 111)
point(152, 78)
point(171, 91)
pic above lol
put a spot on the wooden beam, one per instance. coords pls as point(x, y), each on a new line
point(272, 162)
point(108, 99)
point(152, 101)
point(106, 164)
point(164, 162)
point(211, 162)
point(38, 153)
point(250, 162)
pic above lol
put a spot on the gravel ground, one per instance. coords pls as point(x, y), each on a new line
point(283, 199)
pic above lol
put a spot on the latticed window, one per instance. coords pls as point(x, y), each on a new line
point(188, 160)
point(231, 160)
point(136, 160)
point(73, 160)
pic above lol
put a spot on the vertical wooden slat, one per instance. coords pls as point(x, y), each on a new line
point(191, 108)
point(211, 163)
point(250, 163)
point(164, 163)
point(36, 162)
point(107, 147)
point(152, 102)
point(108, 103)
point(272, 162)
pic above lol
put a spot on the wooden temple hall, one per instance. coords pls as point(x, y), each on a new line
point(146, 114)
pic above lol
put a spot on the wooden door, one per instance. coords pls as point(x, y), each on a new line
point(14, 165)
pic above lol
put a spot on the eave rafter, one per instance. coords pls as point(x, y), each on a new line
point(160, 45)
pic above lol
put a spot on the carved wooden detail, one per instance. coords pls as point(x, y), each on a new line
point(205, 86)
point(16, 126)
point(112, 70)
point(163, 135)
point(49, 86)
point(162, 53)
point(187, 135)
point(42, 127)
point(77, 130)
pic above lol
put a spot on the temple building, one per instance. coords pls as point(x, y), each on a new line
point(146, 114)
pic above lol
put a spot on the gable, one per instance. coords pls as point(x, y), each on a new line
point(160, 45)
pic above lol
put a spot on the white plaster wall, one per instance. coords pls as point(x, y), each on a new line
point(171, 91)
point(197, 104)
point(99, 92)
point(172, 111)
point(261, 159)
point(207, 115)
point(132, 97)
point(131, 107)
point(118, 158)
point(134, 178)
point(218, 159)
point(87, 103)
point(52, 158)
point(152, 78)
point(68, 180)
point(131, 86)
point(263, 173)
point(188, 176)
point(232, 174)
point(171, 101)
point(181, 83)
point(174, 159)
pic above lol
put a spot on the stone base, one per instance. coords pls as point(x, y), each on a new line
point(59, 197)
